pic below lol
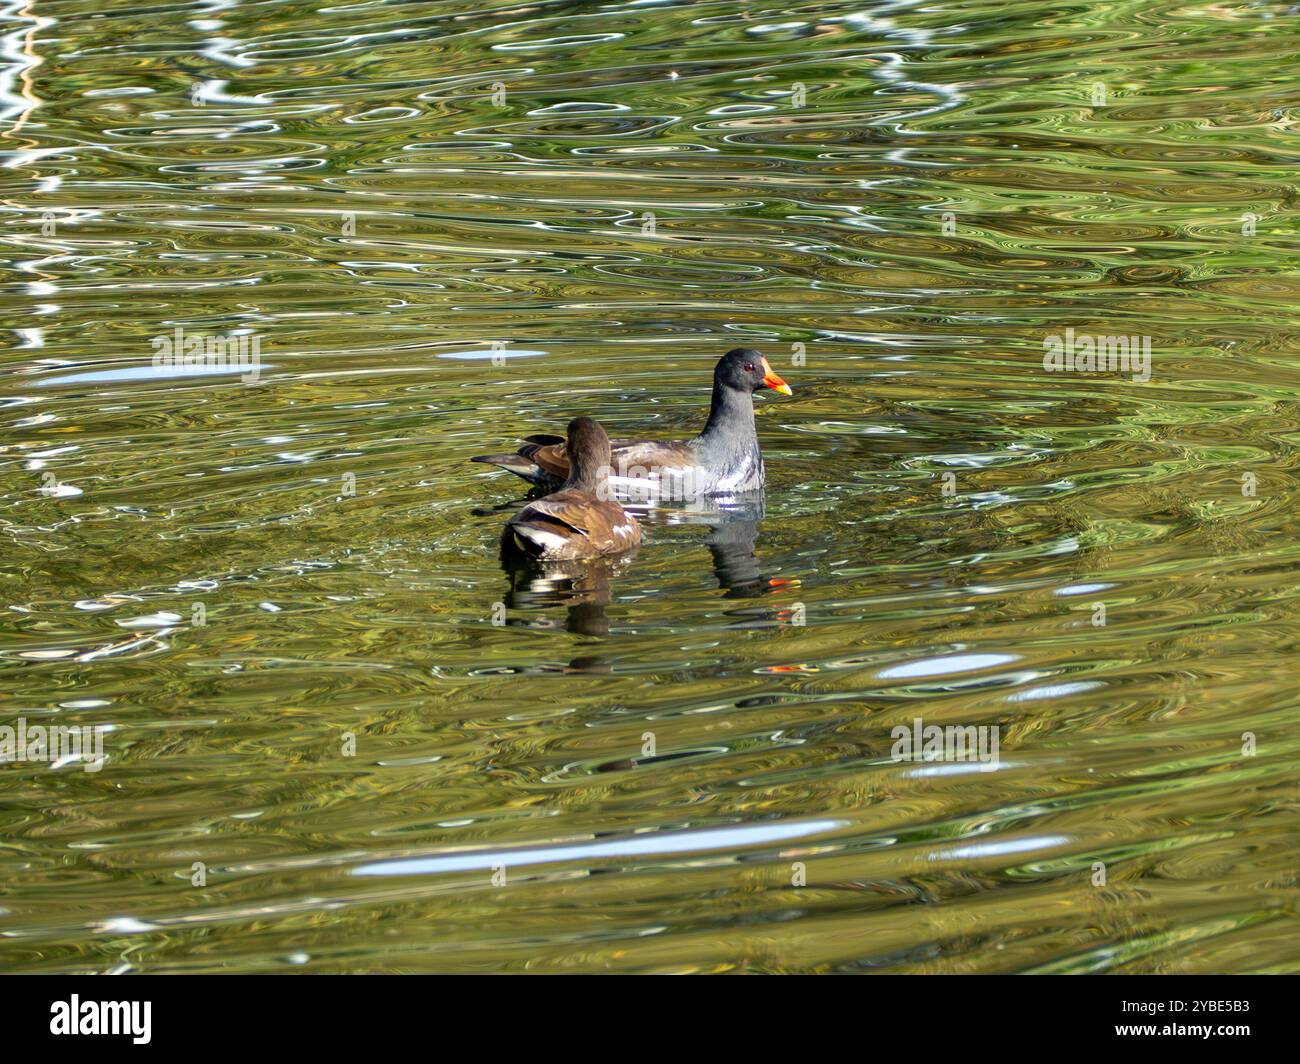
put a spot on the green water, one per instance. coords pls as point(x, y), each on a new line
point(342, 738)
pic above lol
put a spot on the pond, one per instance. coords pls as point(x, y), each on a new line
point(1030, 272)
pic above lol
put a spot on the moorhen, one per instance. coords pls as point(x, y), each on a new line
point(581, 520)
point(724, 457)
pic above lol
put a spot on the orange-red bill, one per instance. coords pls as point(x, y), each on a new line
point(773, 381)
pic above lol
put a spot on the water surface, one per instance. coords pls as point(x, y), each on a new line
point(343, 738)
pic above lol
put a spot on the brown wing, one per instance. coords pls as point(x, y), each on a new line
point(631, 458)
point(550, 458)
point(640, 458)
point(606, 526)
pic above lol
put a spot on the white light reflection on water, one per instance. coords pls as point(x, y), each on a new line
point(649, 845)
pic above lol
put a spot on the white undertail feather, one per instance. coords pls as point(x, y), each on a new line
point(538, 537)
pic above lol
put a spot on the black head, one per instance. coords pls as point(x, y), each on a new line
point(589, 453)
point(744, 369)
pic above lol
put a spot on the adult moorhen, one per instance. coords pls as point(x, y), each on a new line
point(724, 457)
point(581, 520)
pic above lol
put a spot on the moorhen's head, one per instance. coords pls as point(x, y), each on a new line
point(747, 371)
point(589, 453)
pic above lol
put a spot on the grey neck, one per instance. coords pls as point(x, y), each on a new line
point(730, 428)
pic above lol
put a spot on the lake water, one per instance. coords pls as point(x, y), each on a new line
point(338, 736)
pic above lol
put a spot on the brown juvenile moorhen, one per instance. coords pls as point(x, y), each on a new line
point(724, 457)
point(581, 520)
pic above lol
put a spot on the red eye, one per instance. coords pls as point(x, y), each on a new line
point(749, 367)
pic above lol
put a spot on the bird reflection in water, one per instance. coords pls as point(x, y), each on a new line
point(733, 522)
point(584, 588)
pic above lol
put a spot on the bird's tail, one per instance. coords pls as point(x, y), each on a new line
point(516, 463)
